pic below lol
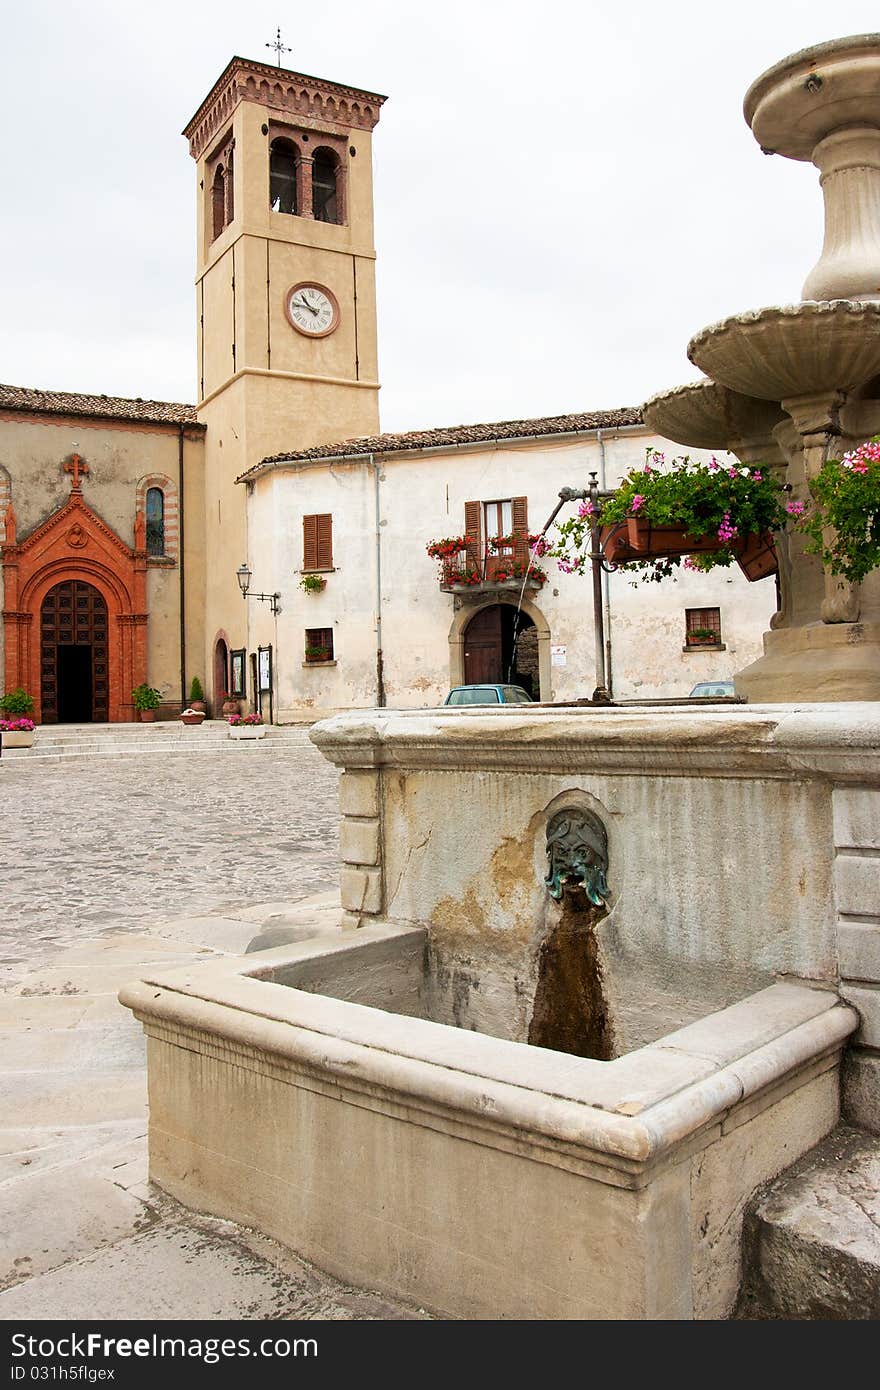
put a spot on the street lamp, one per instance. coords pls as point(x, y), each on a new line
point(243, 575)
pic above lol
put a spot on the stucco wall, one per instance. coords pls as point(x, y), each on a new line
point(422, 497)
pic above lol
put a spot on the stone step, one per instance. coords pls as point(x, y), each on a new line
point(811, 1238)
point(147, 740)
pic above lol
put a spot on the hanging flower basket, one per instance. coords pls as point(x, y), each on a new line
point(647, 539)
point(679, 513)
point(756, 556)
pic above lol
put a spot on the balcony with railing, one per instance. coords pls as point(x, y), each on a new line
point(506, 565)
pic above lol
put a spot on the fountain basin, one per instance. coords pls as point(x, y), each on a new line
point(812, 348)
point(705, 415)
point(480, 1177)
point(803, 98)
point(377, 1100)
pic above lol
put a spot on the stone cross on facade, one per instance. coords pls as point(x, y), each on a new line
point(76, 466)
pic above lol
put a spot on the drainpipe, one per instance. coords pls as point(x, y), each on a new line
point(181, 554)
point(606, 578)
point(380, 665)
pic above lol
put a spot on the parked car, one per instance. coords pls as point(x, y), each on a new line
point(714, 689)
point(488, 695)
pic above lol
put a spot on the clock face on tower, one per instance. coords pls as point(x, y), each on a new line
point(312, 309)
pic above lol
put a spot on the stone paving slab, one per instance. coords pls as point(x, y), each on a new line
point(193, 1267)
point(130, 867)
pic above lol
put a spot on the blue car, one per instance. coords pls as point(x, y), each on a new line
point(713, 690)
point(488, 695)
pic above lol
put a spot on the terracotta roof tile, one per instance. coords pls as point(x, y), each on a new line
point(457, 434)
point(28, 398)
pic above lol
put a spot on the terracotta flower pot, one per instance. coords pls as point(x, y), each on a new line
point(197, 706)
point(646, 539)
point(756, 556)
point(192, 716)
point(146, 716)
point(230, 707)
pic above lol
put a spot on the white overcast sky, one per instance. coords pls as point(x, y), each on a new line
point(564, 192)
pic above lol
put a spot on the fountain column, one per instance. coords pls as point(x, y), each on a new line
point(817, 361)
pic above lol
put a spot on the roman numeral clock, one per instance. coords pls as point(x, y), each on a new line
point(312, 309)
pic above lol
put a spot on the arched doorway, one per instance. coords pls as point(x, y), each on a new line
point(501, 645)
point(74, 669)
point(221, 673)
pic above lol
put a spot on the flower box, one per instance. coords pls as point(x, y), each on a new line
point(756, 556)
point(18, 738)
point(244, 731)
point(645, 539)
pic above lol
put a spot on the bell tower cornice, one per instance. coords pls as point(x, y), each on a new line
point(293, 95)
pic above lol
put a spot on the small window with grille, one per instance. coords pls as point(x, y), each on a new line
point(702, 627)
point(319, 645)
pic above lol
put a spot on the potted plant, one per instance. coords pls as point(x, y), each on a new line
point(196, 695)
point(17, 732)
point(447, 547)
point(16, 702)
point(146, 702)
point(318, 654)
point(313, 583)
point(246, 726)
point(702, 637)
point(228, 704)
point(842, 520)
point(194, 717)
point(681, 512)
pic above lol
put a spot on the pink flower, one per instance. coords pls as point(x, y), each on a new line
point(733, 472)
point(795, 508)
point(637, 503)
point(758, 477)
point(586, 508)
point(714, 465)
point(727, 531)
point(689, 563)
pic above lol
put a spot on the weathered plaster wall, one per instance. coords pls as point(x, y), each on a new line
point(422, 497)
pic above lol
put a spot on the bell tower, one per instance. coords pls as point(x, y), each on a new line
point(285, 286)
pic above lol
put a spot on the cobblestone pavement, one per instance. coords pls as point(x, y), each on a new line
point(112, 865)
point(108, 844)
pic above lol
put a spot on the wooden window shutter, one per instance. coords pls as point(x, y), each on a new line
point(318, 542)
point(472, 529)
point(325, 541)
point(310, 542)
point(521, 528)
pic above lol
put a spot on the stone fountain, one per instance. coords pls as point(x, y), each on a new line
point(596, 968)
point(793, 386)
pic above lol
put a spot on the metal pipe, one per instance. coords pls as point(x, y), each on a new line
point(181, 557)
point(380, 660)
point(606, 578)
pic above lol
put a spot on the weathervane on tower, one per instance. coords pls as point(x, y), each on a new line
point(278, 46)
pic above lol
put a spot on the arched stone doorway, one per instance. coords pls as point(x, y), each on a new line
point(501, 645)
point(74, 658)
point(221, 673)
point(465, 614)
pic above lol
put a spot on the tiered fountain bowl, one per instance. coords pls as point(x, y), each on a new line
point(792, 386)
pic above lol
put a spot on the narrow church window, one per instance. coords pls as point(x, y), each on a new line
point(218, 202)
point(230, 191)
point(282, 176)
point(318, 542)
point(155, 521)
point(324, 201)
